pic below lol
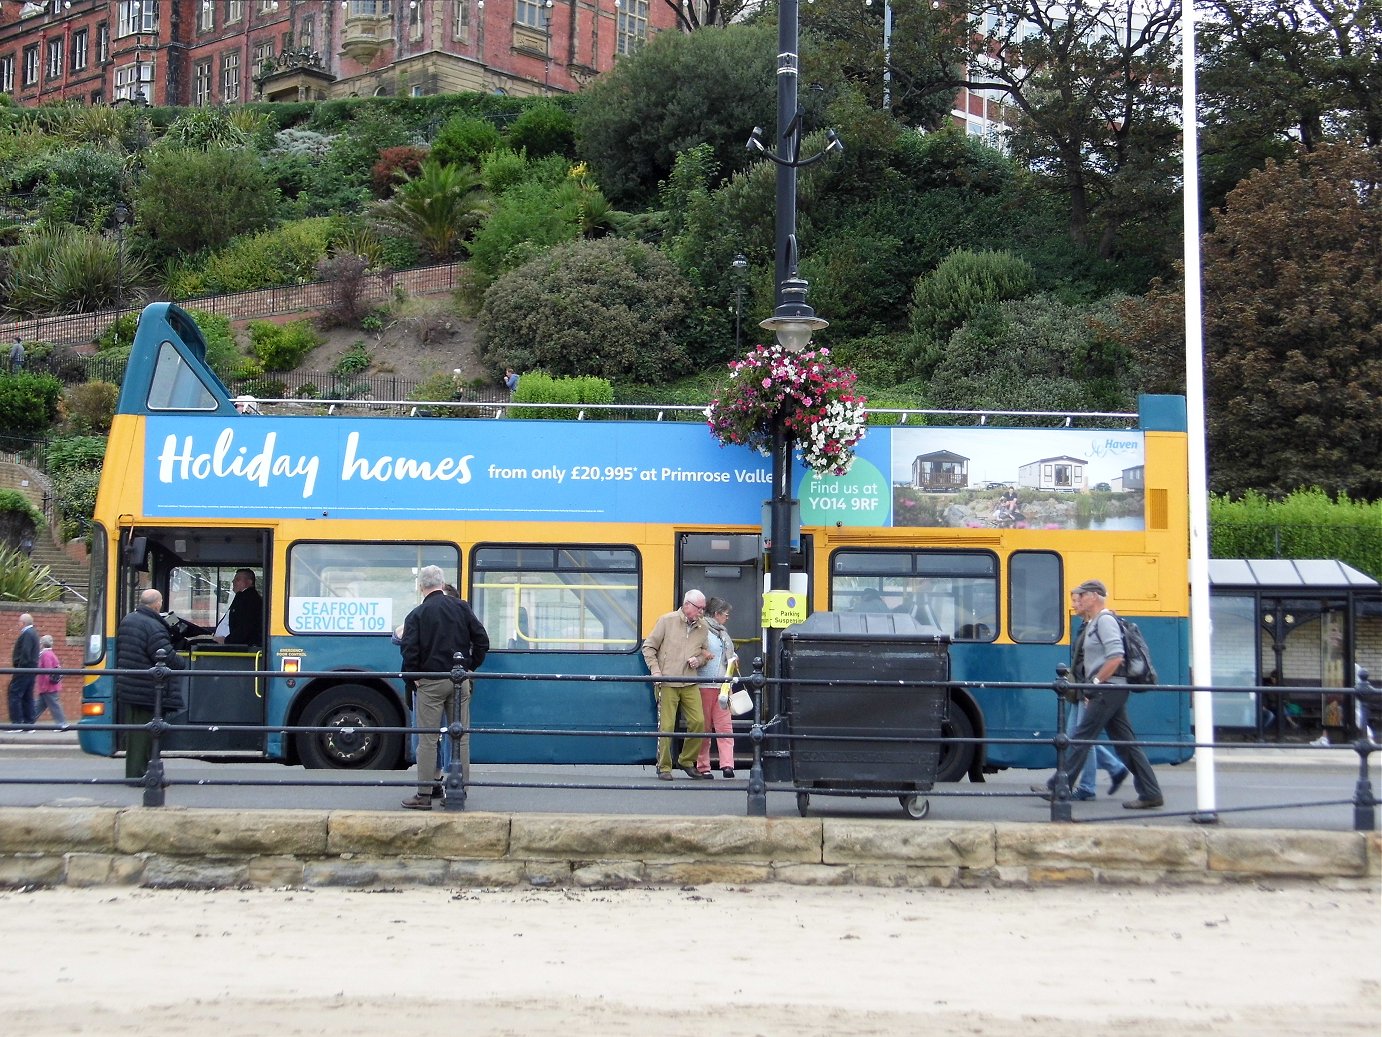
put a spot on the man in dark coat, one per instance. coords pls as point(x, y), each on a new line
point(140, 636)
point(245, 621)
point(433, 633)
point(22, 706)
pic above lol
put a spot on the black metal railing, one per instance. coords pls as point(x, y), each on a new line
point(769, 737)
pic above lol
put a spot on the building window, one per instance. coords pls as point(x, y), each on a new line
point(79, 48)
point(460, 20)
point(136, 16)
point(230, 77)
point(54, 58)
point(307, 34)
point(415, 22)
point(103, 43)
point(235, 10)
point(31, 65)
point(263, 52)
point(201, 83)
point(369, 8)
point(7, 74)
point(633, 26)
point(268, 6)
point(530, 12)
point(134, 79)
point(98, 97)
point(206, 16)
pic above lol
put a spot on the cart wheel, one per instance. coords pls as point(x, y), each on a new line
point(803, 803)
point(916, 807)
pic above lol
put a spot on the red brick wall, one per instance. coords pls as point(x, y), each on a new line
point(48, 619)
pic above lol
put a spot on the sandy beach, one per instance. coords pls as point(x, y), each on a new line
point(754, 961)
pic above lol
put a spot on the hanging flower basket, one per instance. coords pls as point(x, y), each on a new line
point(814, 399)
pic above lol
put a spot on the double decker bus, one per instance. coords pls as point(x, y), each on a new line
point(570, 537)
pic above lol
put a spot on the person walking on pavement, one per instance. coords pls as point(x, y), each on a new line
point(48, 684)
point(1097, 657)
point(713, 674)
point(675, 651)
point(139, 638)
point(25, 655)
point(17, 355)
point(440, 628)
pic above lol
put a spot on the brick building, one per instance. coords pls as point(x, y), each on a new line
point(195, 52)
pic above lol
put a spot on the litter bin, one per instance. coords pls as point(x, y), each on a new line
point(838, 731)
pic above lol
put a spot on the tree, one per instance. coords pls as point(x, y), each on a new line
point(677, 92)
point(1292, 328)
point(608, 307)
point(1094, 84)
point(439, 208)
point(193, 200)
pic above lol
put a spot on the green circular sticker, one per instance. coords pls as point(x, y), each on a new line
point(861, 498)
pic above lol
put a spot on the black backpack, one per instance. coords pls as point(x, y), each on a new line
point(1137, 657)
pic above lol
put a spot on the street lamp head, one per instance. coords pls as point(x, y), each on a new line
point(740, 264)
point(120, 214)
point(794, 322)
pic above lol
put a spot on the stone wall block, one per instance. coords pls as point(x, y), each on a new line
point(104, 869)
point(31, 869)
point(474, 874)
point(604, 837)
point(957, 845)
point(1279, 852)
point(1054, 847)
point(184, 832)
point(57, 829)
point(697, 873)
point(373, 872)
point(813, 874)
point(193, 873)
point(608, 875)
point(274, 870)
point(435, 833)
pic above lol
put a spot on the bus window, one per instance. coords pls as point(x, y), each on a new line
point(175, 386)
point(557, 598)
point(1036, 597)
point(97, 603)
point(953, 591)
point(358, 588)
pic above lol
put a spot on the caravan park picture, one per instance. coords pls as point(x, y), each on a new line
point(1017, 478)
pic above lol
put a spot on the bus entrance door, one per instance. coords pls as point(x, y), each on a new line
point(728, 566)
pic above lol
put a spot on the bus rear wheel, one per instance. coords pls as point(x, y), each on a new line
point(956, 759)
point(355, 713)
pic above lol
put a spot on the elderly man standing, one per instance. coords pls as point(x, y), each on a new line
point(675, 651)
point(140, 637)
point(25, 654)
point(433, 634)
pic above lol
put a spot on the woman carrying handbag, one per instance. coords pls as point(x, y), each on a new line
point(717, 715)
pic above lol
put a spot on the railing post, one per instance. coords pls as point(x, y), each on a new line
point(758, 789)
point(153, 773)
point(1364, 800)
point(1060, 785)
point(455, 773)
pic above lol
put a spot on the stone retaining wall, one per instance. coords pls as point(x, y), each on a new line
point(193, 848)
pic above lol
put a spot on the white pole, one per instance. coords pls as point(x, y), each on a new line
point(1201, 659)
point(887, 55)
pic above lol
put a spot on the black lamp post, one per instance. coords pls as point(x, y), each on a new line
point(740, 265)
point(793, 322)
point(121, 215)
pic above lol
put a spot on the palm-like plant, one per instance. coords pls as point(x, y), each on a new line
point(439, 208)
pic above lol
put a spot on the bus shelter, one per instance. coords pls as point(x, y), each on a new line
point(1283, 624)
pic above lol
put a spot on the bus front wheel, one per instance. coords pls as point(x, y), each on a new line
point(354, 713)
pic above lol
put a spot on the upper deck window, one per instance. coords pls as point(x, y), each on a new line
point(175, 386)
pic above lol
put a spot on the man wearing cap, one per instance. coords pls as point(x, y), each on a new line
point(1097, 657)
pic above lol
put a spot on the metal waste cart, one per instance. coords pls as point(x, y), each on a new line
point(838, 731)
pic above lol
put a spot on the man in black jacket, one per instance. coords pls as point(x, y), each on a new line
point(22, 707)
point(140, 636)
point(434, 632)
point(245, 621)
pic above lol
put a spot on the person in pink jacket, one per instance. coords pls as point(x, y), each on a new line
point(47, 686)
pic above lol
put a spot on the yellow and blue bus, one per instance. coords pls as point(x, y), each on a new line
point(570, 537)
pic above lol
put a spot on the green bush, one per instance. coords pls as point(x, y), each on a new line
point(120, 333)
point(956, 290)
point(91, 406)
point(21, 580)
point(66, 269)
point(80, 185)
point(611, 308)
point(284, 255)
point(282, 347)
point(528, 219)
point(1305, 524)
point(74, 466)
point(18, 510)
point(540, 387)
point(28, 402)
point(193, 200)
point(545, 128)
point(463, 140)
point(222, 351)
